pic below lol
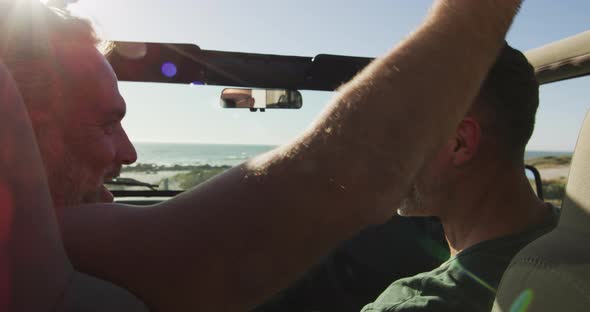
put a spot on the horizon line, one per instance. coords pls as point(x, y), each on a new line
point(274, 144)
point(204, 143)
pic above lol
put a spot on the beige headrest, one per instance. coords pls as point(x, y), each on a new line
point(575, 213)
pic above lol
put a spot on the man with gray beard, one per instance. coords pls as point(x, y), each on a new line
point(475, 184)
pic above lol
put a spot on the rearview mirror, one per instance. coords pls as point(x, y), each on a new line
point(260, 99)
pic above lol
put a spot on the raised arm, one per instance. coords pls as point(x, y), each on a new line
point(243, 235)
point(34, 270)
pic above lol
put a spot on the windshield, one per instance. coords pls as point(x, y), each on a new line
point(184, 137)
point(191, 138)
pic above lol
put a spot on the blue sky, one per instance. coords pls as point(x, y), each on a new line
point(166, 113)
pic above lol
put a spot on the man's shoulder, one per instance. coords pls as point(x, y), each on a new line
point(437, 290)
point(466, 282)
point(489, 259)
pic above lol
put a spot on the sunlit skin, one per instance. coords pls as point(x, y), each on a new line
point(242, 97)
point(90, 145)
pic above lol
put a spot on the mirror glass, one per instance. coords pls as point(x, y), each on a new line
point(260, 99)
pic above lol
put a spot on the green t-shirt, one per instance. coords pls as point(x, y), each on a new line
point(465, 282)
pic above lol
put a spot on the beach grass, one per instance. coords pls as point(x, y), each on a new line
point(549, 161)
point(197, 176)
point(553, 172)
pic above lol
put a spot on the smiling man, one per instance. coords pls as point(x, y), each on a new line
point(74, 102)
point(35, 273)
point(205, 250)
point(92, 146)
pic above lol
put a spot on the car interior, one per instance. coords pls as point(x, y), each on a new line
point(550, 274)
point(350, 276)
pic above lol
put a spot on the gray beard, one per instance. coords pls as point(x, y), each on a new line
point(411, 205)
point(65, 191)
point(65, 186)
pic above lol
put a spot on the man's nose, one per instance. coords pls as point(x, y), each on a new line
point(126, 152)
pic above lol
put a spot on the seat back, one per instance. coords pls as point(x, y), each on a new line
point(553, 272)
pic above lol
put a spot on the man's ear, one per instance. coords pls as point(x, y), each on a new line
point(467, 139)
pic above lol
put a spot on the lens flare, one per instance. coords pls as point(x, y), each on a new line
point(522, 303)
point(169, 69)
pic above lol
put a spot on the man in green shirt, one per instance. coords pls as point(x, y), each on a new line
point(477, 187)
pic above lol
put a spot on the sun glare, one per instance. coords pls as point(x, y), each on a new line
point(58, 3)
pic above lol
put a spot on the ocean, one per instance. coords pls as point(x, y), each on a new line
point(169, 154)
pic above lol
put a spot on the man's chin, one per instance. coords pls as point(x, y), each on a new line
point(405, 212)
point(410, 209)
point(406, 208)
point(101, 195)
point(105, 195)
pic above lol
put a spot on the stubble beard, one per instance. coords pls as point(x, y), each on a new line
point(412, 204)
point(69, 184)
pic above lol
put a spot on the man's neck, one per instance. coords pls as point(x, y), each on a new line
point(501, 204)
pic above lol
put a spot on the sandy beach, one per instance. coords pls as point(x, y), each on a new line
point(554, 173)
point(154, 177)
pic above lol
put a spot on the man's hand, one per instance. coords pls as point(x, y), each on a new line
point(242, 98)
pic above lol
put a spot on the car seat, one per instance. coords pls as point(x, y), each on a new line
point(553, 272)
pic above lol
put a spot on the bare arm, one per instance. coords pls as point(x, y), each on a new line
point(228, 245)
point(34, 270)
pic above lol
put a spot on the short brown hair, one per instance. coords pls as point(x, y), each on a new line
point(508, 100)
